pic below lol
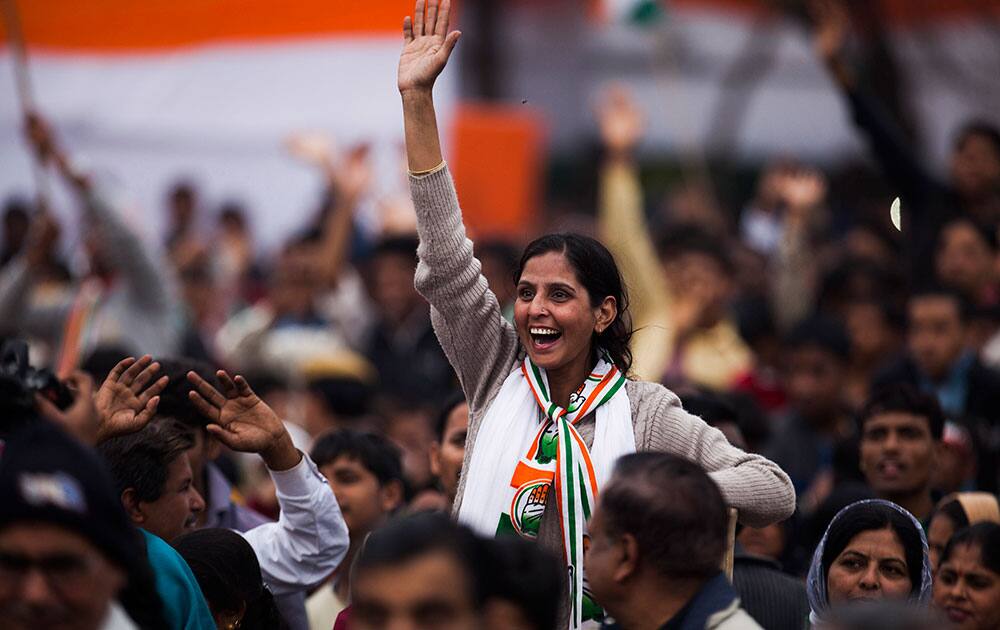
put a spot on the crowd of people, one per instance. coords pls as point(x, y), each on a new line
point(680, 415)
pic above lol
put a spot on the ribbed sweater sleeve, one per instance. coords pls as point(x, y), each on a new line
point(480, 344)
point(757, 487)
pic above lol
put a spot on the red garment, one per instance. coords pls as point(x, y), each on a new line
point(343, 621)
point(766, 390)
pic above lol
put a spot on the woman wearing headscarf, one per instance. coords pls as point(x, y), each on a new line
point(958, 511)
point(872, 550)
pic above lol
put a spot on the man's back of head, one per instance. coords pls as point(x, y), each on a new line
point(659, 532)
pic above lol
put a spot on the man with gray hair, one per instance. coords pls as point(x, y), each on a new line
point(657, 540)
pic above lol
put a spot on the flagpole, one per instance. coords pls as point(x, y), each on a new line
point(22, 82)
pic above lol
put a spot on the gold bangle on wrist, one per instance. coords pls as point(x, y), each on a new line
point(428, 171)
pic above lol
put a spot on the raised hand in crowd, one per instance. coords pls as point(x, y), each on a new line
point(242, 421)
point(801, 192)
point(348, 175)
point(128, 398)
point(348, 172)
point(621, 121)
point(832, 27)
point(427, 45)
point(42, 139)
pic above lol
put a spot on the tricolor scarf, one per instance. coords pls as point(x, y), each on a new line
point(528, 446)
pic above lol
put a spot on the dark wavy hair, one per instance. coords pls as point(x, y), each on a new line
point(984, 535)
point(228, 573)
point(598, 272)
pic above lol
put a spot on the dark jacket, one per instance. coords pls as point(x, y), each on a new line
point(715, 607)
point(775, 600)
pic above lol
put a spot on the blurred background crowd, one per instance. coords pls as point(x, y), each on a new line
point(740, 158)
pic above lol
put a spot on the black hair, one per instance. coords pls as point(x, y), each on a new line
point(598, 272)
point(937, 290)
point(864, 517)
point(182, 189)
point(986, 536)
point(346, 397)
point(17, 209)
point(376, 453)
point(528, 576)
point(981, 128)
point(140, 460)
point(18, 408)
point(502, 250)
point(451, 401)
point(233, 210)
point(174, 401)
point(403, 246)
point(265, 381)
point(410, 537)
point(692, 239)
point(755, 319)
point(955, 512)
point(711, 407)
point(820, 332)
point(102, 360)
point(673, 509)
point(228, 573)
point(904, 398)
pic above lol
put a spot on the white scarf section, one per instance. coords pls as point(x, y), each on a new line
point(528, 445)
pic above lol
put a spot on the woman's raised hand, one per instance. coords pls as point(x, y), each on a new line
point(427, 45)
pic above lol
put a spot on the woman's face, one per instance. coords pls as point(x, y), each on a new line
point(554, 317)
point(967, 591)
point(938, 533)
point(871, 567)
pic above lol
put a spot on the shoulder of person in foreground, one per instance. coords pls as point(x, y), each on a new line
point(757, 487)
point(183, 601)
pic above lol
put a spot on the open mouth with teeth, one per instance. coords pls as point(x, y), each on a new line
point(891, 468)
point(543, 337)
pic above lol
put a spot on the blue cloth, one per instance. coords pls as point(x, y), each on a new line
point(953, 391)
point(183, 602)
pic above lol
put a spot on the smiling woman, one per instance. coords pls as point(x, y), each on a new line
point(550, 406)
point(967, 587)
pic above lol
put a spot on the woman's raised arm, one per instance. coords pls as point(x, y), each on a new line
point(467, 319)
point(427, 46)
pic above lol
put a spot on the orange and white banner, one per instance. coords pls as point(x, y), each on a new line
point(207, 90)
